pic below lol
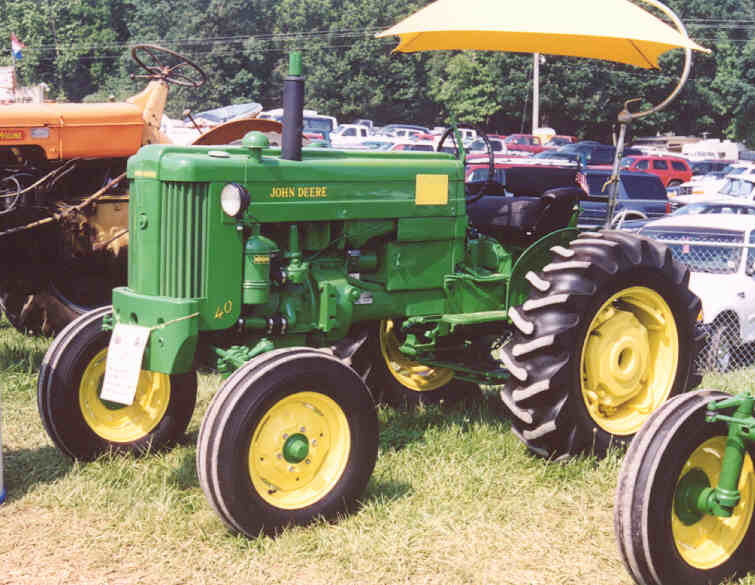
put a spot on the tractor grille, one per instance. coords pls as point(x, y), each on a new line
point(183, 258)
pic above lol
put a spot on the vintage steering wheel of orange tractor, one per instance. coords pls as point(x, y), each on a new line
point(166, 65)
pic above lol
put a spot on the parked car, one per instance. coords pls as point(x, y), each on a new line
point(419, 145)
point(560, 140)
point(478, 145)
point(704, 167)
point(722, 274)
point(349, 135)
point(558, 155)
point(739, 187)
point(403, 130)
point(724, 206)
point(640, 196)
point(523, 143)
point(312, 122)
point(709, 185)
point(590, 152)
point(671, 170)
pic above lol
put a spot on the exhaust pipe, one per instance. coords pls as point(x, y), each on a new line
point(293, 109)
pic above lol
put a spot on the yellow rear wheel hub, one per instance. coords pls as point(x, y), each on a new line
point(299, 450)
point(629, 359)
point(711, 541)
point(408, 373)
point(120, 423)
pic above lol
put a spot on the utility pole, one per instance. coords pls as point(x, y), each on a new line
point(537, 60)
point(535, 91)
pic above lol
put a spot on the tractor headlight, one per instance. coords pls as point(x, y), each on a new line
point(234, 199)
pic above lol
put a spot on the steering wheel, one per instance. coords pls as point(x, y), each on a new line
point(167, 65)
point(491, 160)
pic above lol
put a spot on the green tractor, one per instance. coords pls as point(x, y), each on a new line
point(322, 281)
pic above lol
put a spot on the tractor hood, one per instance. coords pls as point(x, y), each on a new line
point(67, 131)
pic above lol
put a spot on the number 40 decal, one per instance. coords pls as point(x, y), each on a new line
point(226, 309)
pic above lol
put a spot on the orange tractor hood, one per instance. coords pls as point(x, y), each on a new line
point(66, 131)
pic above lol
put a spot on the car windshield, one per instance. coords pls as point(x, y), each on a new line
point(317, 124)
point(558, 154)
point(737, 188)
point(711, 251)
point(479, 175)
point(633, 186)
point(479, 144)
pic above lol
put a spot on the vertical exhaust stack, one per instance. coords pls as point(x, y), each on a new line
point(293, 109)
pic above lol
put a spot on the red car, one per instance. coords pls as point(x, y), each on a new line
point(671, 170)
point(523, 143)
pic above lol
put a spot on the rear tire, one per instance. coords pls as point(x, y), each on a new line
point(607, 335)
point(290, 436)
point(80, 423)
point(656, 545)
point(401, 382)
point(45, 312)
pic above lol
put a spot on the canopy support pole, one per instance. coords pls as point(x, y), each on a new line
point(625, 116)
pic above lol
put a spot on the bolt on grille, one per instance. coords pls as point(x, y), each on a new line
point(183, 235)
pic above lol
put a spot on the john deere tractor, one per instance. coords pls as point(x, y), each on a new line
point(322, 281)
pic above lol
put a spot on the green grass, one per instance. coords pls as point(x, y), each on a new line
point(455, 498)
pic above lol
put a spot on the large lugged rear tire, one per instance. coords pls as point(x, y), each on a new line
point(607, 335)
point(661, 541)
point(81, 424)
point(290, 436)
point(44, 312)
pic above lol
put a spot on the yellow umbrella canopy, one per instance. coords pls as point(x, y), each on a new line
point(613, 30)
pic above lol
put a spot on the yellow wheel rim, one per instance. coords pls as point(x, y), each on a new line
point(119, 423)
point(711, 540)
point(409, 374)
point(299, 450)
point(629, 359)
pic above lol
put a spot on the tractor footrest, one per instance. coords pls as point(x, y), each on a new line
point(460, 319)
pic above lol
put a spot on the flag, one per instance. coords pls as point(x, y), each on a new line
point(16, 46)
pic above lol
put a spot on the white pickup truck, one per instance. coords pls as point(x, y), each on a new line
point(347, 135)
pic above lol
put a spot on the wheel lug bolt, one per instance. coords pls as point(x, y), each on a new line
point(290, 467)
point(308, 462)
point(280, 455)
point(314, 442)
point(285, 435)
point(303, 430)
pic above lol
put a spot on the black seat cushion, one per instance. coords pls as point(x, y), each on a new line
point(506, 218)
point(523, 219)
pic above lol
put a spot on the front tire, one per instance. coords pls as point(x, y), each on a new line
point(607, 335)
point(660, 542)
point(81, 424)
point(289, 437)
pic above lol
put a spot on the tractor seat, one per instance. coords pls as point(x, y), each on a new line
point(523, 219)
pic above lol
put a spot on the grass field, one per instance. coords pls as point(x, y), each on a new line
point(454, 498)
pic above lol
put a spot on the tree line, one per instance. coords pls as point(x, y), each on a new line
point(80, 49)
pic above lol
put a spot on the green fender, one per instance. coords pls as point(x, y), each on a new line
point(534, 258)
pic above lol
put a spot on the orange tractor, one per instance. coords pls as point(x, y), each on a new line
point(63, 196)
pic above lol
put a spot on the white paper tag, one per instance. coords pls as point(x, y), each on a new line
point(124, 363)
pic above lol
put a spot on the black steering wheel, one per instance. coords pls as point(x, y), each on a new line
point(491, 159)
point(168, 66)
